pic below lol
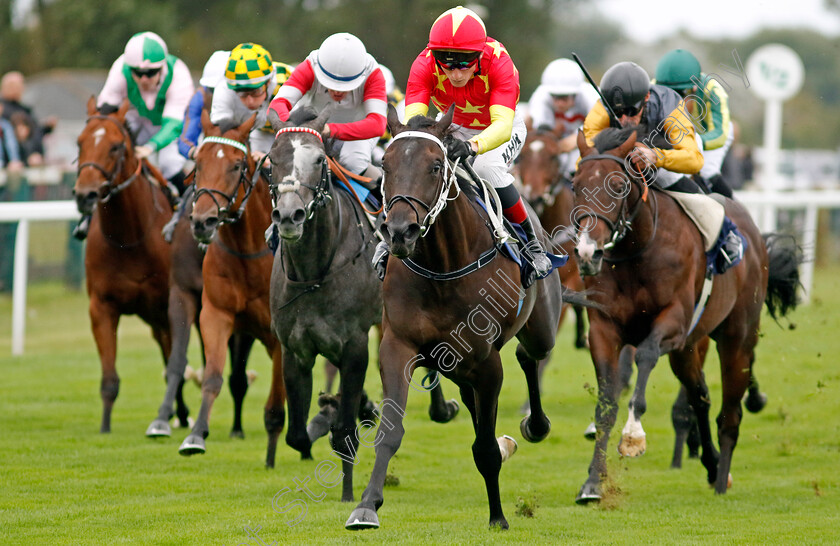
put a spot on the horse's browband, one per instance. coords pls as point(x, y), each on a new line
point(229, 141)
point(299, 130)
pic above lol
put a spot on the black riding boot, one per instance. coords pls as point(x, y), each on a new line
point(169, 229)
point(534, 251)
point(720, 186)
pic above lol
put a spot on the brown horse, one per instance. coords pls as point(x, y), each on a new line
point(127, 261)
point(649, 292)
point(231, 211)
point(451, 302)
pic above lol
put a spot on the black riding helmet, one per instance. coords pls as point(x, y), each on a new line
point(625, 86)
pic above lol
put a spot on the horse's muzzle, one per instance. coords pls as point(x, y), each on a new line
point(86, 201)
point(589, 265)
point(289, 222)
point(401, 236)
point(203, 229)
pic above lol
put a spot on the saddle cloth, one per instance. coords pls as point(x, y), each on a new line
point(706, 213)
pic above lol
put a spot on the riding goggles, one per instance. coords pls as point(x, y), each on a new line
point(257, 92)
point(148, 72)
point(456, 60)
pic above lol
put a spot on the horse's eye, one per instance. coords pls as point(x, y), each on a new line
point(320, 160)
point(115, 148)
point(436, 168)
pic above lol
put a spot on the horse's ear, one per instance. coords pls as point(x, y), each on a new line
point(206, 125)
point(583, 146)
point(319, 122)
point(394, 123)
point(245, 129)
point(274, 120)
point(91, 106)
point(628, 145)
point(445, 121)
point(123, 109)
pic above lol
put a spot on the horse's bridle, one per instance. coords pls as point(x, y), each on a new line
point(623, 224)
point(107, 189)
point(226, 213)
point(290, 183)
point(446, 183)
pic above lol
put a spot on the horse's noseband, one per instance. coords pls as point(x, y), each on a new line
point(108, 190)
point(623, 224)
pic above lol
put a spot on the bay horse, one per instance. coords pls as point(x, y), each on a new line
point(450, 304)
point(127, 261)
point(654, 278)
point(231, 210)
point(184, 307)
point(325, 295)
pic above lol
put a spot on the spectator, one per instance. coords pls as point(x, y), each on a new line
point(11, 93)
point(9, 149)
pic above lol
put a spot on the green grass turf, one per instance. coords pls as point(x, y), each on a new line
point(61, 482)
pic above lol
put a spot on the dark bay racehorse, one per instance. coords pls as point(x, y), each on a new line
point(127, 261)
point(451, 303)
point(184, 306)
point(653, 279)
point(325, 295)
point(231, 211)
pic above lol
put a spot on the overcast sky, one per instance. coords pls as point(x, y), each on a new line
point(648, 20)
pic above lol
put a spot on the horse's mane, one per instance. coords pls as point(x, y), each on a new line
point(420, 122)
point(106, 109)
point(226, 125)
point(613, 137)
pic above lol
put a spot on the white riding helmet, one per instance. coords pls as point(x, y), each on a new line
point(341, 62)
point(145, 50)
point(214, 69)
point(562, 77)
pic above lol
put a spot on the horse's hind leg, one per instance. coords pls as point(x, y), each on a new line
point(535, 426)
point(682, 418)
point(687, 366)
point(580, 328)
point(755, 400)
point(345, 438)
point(104, 319)
point(441, 410)
point(239, 345)
point(274, 414)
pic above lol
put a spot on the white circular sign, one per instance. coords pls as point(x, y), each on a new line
point(775, 71)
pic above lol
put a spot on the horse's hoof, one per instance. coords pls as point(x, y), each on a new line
point(196, 376)
point(362, 518)
point(252, 376)
point(632, 447)
point(755, 404)
point(588, 493)
point(453, 407)
point(192, 445)
point(728, 485)
point(591, 432)
point(507, 446)
point(237, 434)
point(524, 428)
point(159, 429)
point(501, 523)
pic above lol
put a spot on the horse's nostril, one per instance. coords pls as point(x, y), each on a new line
point(298, 216)
point(275, 216)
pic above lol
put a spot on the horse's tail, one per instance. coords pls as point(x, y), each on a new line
point(580, 299)
point(784, 257)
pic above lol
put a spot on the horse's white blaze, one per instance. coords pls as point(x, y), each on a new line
point(536, 146)
point(220, 154)
point(633, 428)
point(98, 134)
point(303, 158)
point(586, 247)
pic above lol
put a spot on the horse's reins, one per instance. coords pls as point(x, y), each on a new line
point(226, 213)
point(619, 228)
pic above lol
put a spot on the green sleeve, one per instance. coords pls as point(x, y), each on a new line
point(717, 119)
point(169, 131)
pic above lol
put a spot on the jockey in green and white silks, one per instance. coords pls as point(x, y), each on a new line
point(159, 87)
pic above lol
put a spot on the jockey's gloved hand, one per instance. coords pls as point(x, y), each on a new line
point(459, 149)
point(380, 259)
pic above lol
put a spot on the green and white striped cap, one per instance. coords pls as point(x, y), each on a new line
point(145, 50)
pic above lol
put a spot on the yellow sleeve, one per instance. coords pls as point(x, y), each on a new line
point(685, 157)
point(596, 121)
point(499, 130)
point(415, 109)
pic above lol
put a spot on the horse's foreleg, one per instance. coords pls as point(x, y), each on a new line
point(216, 328)
point(239, 345)
point(580, 328)
point(536, 426)
point(182, 310)
point(397, 363)
point(441, 410)
point(682, 419)
point(486, 452)
point(298, 379)
point(104, 320)
point(330, 371)
point(274, 414)
point(345, 438)
point(604, 344)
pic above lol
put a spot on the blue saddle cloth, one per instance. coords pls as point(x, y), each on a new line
point(514, 253)
point(364, 194)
